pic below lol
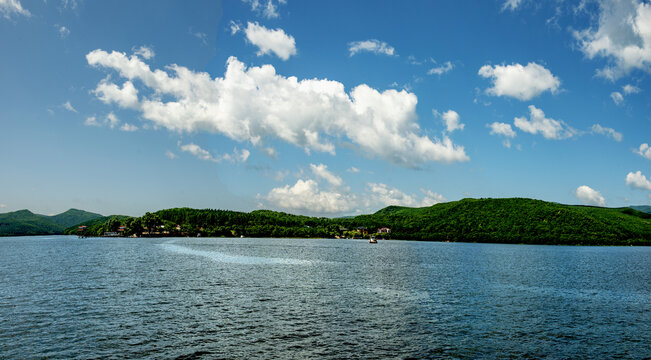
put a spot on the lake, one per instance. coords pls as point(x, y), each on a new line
point(193, 298)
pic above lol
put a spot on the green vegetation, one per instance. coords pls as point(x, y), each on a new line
point(24, 222)
point(512, 220)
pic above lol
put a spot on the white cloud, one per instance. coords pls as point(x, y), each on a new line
point(440, 70)
point(321, 171)
point(268, 9)
point(617, 97)
point(8, 8)
point(451, 119)
point(504, 129)
point(197, 151)
point(630, 89)
point(255, 103)
point(520, 82)
point(144, 52)
point(589, 196)
point(353, 169)
point(598, 129)
point(111, 120)
point(372, 45)
point(644, 151)
point(538, 123)
point(125, 97)
point(431, 198)
point(638, 180)
point(235, 27)
point(170, 155)
point(128, 127)
point(2, 206)
point(236, 156)
point(63, 31)
point(92, 121)
point(270, 41)
point(66, 105)
point(306, 197)
point(623, 37)
point(386, 195)
point(511, 4)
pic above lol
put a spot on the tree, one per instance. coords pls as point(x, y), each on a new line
point(151, 222)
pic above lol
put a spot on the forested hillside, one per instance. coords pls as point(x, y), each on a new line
point(513, 220)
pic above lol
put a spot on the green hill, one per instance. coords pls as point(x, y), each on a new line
point(24, 222)
point(513, 220)
point(642, 208)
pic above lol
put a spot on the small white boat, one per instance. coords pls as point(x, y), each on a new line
point(372, 240)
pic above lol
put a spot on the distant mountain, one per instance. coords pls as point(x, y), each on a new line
point(642, 208)
point(25, 222)
point(74, 217)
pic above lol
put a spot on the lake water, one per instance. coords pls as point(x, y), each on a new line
point(63, 297)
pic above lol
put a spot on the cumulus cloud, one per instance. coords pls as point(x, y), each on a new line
point(451, 119)
point(256, 103)
point(386, 195)
point(372, 45)
point(520, 82)
point(128, 127)
point(202, 154)
point(144, 52)
point(92, 121)
point(111, 120)
point(503, 129)
point(66, 105)
point(8, 8)
point(630, 89)
point(617, 97)
point(440, 70)
point(125, 96)
point(598, 129)
point(236, 156)
point(644, 151)
point(353, 169)
point(638, 180)
point(270, 41)
point(197, 151)
point(321, 171)
point(589, 196)
point(623, 37)
point(306, 197)
point(538, 123)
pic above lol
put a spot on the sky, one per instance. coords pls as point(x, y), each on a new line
point(325, 108)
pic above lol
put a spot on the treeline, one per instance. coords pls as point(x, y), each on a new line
point(470, 220)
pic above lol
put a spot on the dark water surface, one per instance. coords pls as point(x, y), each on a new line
point(63, 297)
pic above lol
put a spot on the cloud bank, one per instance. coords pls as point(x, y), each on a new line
point(253, 104)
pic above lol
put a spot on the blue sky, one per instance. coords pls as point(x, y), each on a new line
point(322, 108)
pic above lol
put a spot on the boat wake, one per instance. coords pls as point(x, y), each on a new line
point(234, 259)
